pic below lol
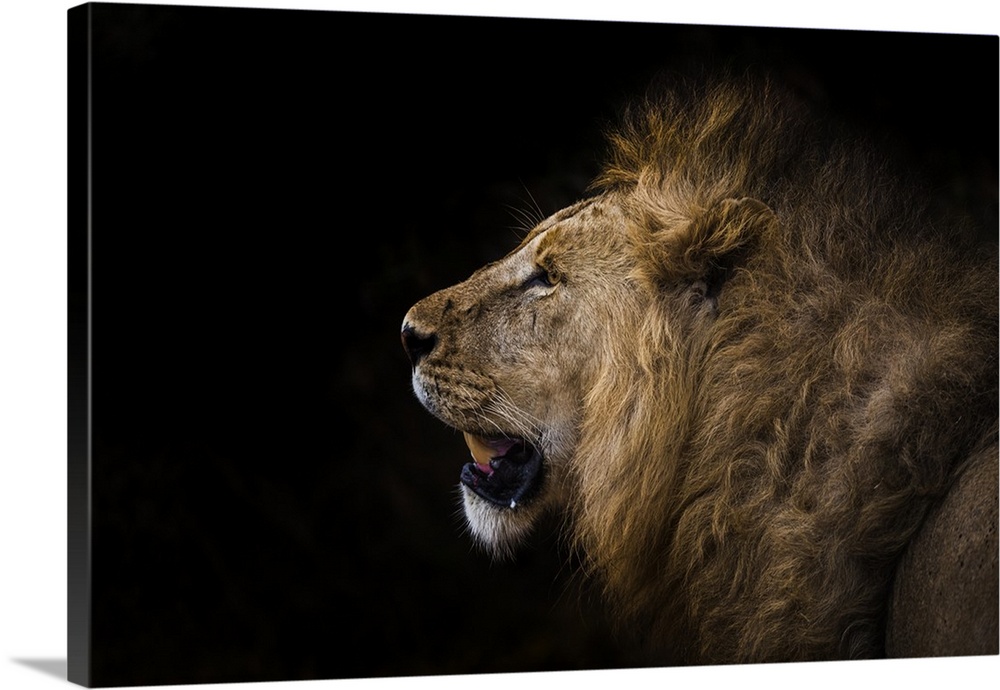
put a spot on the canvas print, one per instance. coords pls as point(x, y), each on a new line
point(416, 345)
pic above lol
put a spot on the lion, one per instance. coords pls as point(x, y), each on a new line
point(756, 373)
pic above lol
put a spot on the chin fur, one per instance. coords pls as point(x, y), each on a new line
point(499, 530)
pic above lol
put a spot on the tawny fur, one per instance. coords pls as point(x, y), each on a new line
point(789, 359)
point(792, 446)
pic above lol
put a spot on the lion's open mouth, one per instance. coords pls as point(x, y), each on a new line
point(505, 471)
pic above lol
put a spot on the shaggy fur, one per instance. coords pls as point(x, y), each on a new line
point(784, 362)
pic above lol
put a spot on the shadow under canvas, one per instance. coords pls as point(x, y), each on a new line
point(50, 667)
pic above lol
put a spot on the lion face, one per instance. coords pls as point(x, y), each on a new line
point(507, 358)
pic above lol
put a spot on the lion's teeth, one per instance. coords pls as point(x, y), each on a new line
point(481, 452)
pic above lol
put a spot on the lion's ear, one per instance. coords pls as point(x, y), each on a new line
point(715, 239)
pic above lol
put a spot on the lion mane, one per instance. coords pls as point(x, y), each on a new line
point(752, 475)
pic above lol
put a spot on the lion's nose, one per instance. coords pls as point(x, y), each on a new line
point(417, 345)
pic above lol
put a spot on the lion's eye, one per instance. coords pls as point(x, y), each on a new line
point(540, 278)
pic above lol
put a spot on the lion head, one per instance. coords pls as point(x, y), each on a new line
point(508, 356)
point(735, 367)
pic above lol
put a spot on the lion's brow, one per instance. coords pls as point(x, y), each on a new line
point(552, 221)
point(545, 241)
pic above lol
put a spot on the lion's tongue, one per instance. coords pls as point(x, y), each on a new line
point(485, 449)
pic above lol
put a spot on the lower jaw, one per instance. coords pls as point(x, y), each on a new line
point(498, 530)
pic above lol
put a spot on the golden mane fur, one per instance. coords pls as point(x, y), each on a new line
point(794, 360)
point(780, 461)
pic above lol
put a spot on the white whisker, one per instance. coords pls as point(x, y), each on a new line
point(522, 423)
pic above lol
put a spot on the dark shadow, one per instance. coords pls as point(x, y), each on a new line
point(51, 667)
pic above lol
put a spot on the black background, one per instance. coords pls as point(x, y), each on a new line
point(272, 190)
